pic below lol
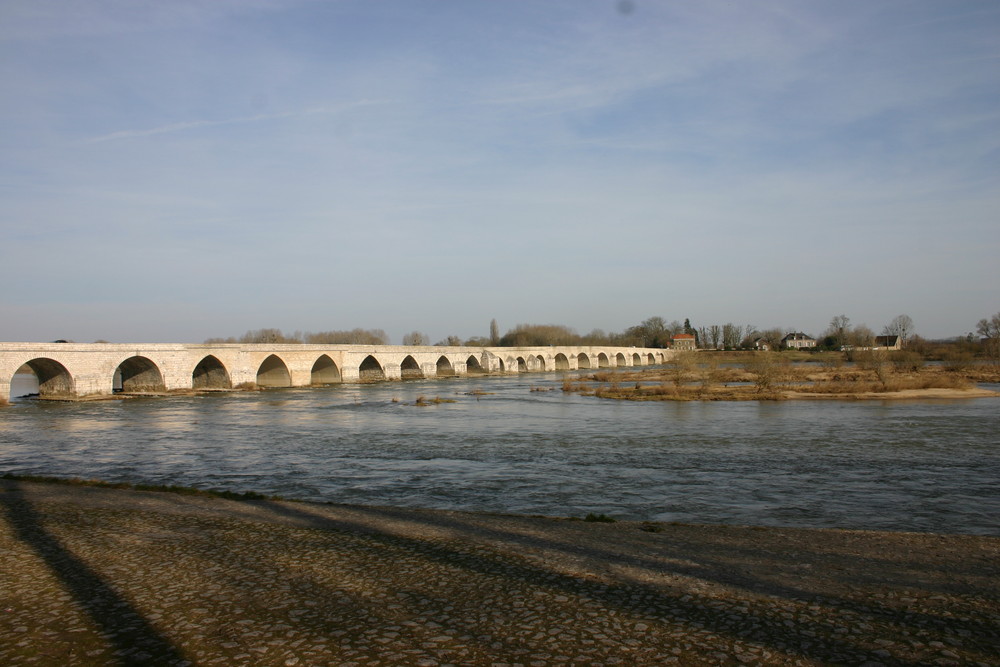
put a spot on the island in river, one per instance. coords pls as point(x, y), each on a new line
point(768, 377)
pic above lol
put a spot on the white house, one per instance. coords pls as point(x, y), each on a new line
point(798, 341)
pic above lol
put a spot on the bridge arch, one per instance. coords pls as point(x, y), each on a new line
point(582, 360)
point(522, 365)
point(650, 359)
point(620, 359)
point(473, 367)
point(562, 363)
point(138, 374)
point(444, 366)
point(602, 361)
point(409, 369)
point(370, 370)
point(636, 359)
point(540, 361)
point(54, 380)
point(210, 373)
point(273, 372)
point(325, 371)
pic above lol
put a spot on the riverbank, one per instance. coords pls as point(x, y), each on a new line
point(98, 575)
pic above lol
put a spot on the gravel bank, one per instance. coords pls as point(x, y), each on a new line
point(103, 576)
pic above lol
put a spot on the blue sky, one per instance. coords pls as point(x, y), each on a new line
point(173, 171)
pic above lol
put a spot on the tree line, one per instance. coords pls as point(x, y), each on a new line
point(652, 332)
point(655, 332)
point(352, 337)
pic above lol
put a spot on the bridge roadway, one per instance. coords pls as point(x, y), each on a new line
point(92, 370)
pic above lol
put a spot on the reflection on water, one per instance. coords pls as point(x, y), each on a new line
point(922, 465)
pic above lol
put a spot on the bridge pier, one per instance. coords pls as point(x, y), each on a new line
point(491, 363)
point(301, 377)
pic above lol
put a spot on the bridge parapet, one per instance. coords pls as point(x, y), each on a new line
point(80, 370)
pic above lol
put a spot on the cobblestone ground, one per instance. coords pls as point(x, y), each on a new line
point(99, 576)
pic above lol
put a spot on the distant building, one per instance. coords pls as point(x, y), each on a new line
point(683, 341)
point(761, 344)
point(887, 343)
point(798, 341)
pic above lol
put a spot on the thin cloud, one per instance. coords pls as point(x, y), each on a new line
point(195, 124)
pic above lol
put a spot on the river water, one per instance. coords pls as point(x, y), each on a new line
point(915, 466)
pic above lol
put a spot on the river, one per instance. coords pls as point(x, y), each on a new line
point(929, 465)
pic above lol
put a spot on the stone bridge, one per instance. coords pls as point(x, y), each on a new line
point(74, 370)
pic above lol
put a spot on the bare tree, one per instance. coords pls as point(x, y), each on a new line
point(494, 332)
point(595, 337)
point(861, 336)
point(902, 326)
point(525, 335)
point(353, 337)
point(989, 328)
point(715, 332)
point(990, 331)
point(478, 341)
point(766, 369)
point(876, 361)
point(266, 336)
point(773, 337)
point(703, 336)
point(681, 369)
point(732, 334)
point(416, 338)
point(708, 376)
point(839, 329)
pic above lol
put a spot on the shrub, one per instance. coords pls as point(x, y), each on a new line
point(906, 361)
point(876, 361)
point(598, 518)
point(832, 361)
point(765, 369)
point(957, 360)
point(681, 368)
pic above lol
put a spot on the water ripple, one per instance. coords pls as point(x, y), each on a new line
point(918, 465)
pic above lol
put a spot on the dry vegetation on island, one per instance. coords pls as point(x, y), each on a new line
point(778, 376)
